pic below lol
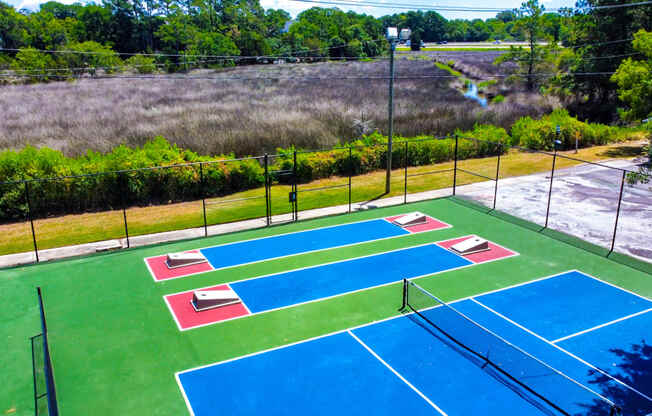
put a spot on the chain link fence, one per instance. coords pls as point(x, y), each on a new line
point(589, 204)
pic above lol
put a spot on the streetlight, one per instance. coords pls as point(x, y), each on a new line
point(392, 38)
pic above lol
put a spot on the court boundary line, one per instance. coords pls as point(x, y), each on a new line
point(471, 263)
point(387, 319)
point(213, 269)
point(615, 321)
point(583, 361)
point(183, 393)
point(352, 328)
point(397, 374)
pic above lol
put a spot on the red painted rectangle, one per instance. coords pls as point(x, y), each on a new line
point(495, 251)
point(160, 270)
point(430, 224)
point(186, 316)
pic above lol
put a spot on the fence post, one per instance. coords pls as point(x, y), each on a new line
point(124, 180)
point(267, 213)
point(31, 219)
point(455, 167)
point(295, 214)
point(350, 174)
point(497, 172)
point(552, 175)
point(203, 195)
point(406, 173)
point(620, 200)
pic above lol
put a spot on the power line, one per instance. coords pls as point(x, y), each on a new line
point(382, 5)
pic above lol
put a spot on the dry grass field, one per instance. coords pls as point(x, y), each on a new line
point(249, 110)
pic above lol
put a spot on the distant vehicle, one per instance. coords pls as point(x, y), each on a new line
point(496, 42)
point(407, 42)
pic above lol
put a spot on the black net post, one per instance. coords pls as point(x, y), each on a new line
point(552, 175)
point(405, 295)
point(620, 200)
point(202, 191)
point(123, 178)
point(455, 165)
point(267, 185)
point(405, 157)
point(350, 174)
point(31, 219)
point(497, 173)
point(49, 377)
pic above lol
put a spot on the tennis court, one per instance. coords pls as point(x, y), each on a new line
point(313, 292)
point(550, 346)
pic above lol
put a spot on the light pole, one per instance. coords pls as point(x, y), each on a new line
point(392, 38)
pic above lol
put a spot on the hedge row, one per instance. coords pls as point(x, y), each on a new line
point(541, 134)
point(184, 183)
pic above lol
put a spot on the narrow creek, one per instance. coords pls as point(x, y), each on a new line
point(472, 93)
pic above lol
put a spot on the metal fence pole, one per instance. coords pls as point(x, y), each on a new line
point(31, 219)
point(552, 175)
point(295, 214)
point(406, 173)
point(620, 200)
point(203, 196)
point(123, 181)
point(350, 174)
point(455, 166)
point(267, 213)
point(497, 172)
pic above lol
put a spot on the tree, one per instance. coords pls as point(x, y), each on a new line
point(415, 40)
point(530, 24)
point(34, 65)
point(634, 79)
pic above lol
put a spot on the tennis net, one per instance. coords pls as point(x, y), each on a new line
point(533, 379)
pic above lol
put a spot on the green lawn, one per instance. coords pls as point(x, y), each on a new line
point(115, 347)
point(98, 226)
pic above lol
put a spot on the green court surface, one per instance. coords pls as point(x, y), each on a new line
point(115, 347)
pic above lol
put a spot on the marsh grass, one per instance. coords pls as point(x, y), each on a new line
point(306, 105)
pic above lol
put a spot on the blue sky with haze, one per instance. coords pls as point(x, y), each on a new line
point(295, 7)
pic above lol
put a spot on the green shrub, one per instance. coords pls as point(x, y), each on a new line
point(142, 64)
point(498, 99)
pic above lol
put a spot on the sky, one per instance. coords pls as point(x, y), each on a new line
point(295, 8)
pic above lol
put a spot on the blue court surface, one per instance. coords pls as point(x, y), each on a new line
point(318, 282)
point(567, 344)
point(250, 251)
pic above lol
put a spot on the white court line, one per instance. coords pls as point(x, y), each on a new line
point(332, 296)
point(601, 326)
point(446, 226)
point(183, 393)
point(363, 325)
point(397, 374)
point(558, 347)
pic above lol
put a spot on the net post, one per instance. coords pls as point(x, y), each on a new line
point(47, 366)
point(455, 165)
point(620, 200)
point(552, 175)
point(31, 219)
point(406, 173)
point(405, 295)
point(203, 196)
